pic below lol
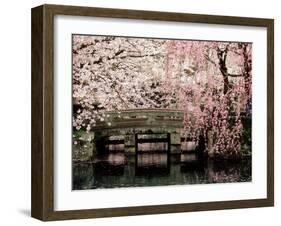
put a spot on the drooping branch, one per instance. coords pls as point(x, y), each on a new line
point(140, 56)
point(121, 98)
point(210, 60)
point(247, 68)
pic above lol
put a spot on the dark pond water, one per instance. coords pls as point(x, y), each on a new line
point(119, 170)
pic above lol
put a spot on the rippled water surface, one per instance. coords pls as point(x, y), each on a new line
point(119, 170)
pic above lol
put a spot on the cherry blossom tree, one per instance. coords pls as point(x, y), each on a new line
point(218, 92)
point(111, 73)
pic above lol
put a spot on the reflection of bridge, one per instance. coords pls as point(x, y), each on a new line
point(139, 126)
point(149, 165)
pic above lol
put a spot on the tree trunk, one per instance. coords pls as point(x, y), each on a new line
point(225, 84)
point(223, 69)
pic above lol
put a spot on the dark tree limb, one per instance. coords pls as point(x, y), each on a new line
point(235, 75)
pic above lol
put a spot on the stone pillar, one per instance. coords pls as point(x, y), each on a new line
point(129, 143)
point(175, 143)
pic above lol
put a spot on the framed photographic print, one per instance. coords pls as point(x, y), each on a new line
point(141, 112)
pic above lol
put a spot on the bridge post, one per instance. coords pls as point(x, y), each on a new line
point(175, 142)
point(136, 143)
point(169, 143)
point(129, 143)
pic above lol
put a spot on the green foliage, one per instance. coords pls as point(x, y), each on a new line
point(82, 146)
point(77, 134)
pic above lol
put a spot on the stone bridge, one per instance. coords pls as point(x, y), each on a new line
point(133, 127)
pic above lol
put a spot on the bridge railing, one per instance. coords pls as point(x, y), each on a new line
point(141, 118)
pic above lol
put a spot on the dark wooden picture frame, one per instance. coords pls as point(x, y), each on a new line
point(42, 203)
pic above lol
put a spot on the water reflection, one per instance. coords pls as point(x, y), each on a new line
point(152, 164)
point(151, 169)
